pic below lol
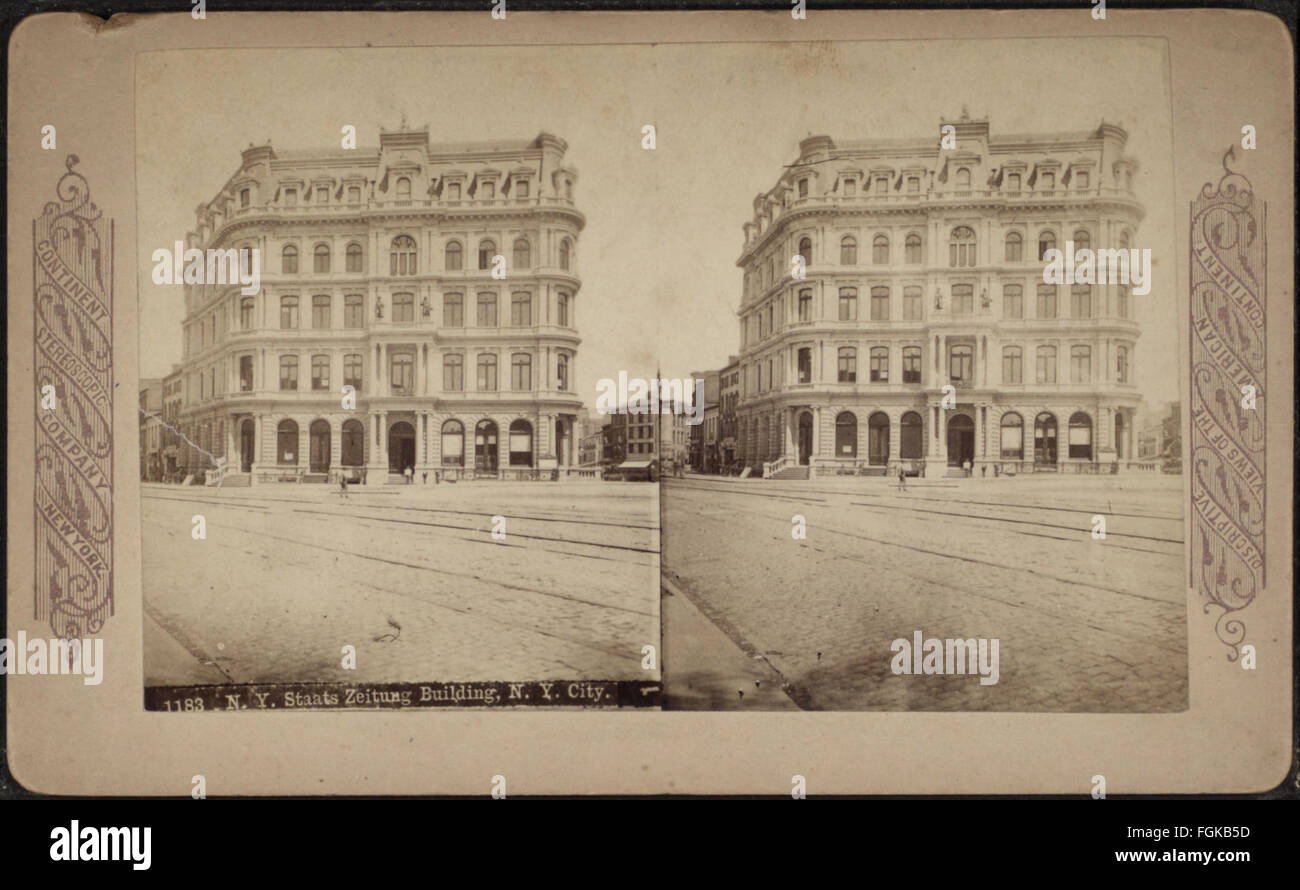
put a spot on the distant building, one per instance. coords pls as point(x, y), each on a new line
point(1160, 440)
point(729, 402)
point(151, 429)
point(704, 455)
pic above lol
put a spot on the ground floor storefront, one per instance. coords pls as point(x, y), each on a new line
point(378, 445)
point(971, 436)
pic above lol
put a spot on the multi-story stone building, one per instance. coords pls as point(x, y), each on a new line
point(435, 282)
point(728, 406)
point(173, 400)
point(923, 269)
point(703, 437)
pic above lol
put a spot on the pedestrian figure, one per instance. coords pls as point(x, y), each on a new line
point(343, 484)
point(426, 478)
point(410, 474)
point(902, 478)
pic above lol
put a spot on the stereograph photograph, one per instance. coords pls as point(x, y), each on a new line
point(545, 391)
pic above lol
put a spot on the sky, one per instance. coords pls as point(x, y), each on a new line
point(660, 286)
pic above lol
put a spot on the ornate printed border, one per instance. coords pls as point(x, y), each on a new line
point(1227, 426)
point(72, 282)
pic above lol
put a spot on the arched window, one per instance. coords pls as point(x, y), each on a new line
point(486, 250)
point(289, 260)
point(403, 188)
point(846, 435)
point(1082, 240)
point(521, 444)
point(562, 310)
point(523, 254)
point(805, 305)
point(453, 257)
point(487, 373)
point(1013, 436)
point(848, 251)
point(880, 250)
point(1015, 248)
point(403, 307)
point(487, 310)
point(353, 261)
point(912, 249)
point(286, 443)
point(1045, 439)
point(354, 444)
point(562, 373)
point(453, 311)
point(288, 313)
point(564, 254)
point(320, 312)
point(246, 305)
point(321, 258)
point(961, 247)
point(847, 365)
point(963, 178)
point(909, 436)
point(1046, 242)
point(1080, 436)
point(1012, 364)
point(318, 454)
point(1081, 301)
point(453, 444)
point(521, 372)
point(805, 250)
point(453, 373)
point(401, 256)
point(878, 439)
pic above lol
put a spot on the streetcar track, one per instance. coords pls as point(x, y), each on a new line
point(1074, 528)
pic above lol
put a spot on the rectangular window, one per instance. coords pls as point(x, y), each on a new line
point(521, 373)
point(403, 307)
point(911, 304)
point(245, 373)
point(521, 309)
point(353, 311)
point(1081, 301)
point(243, 197)
point(320, 372)
point(1045, 371)
point(288, 372)
point(1080, 364)
point(521, 189)
point(1081, 180)
point(1013, 301)
point(453, 191)
point(320, 312)
point(850, 188)
point(453, 311)
point(291, 197)
point(322, 195)
point(1013, 182)
point(1049, 181)
point(805, 365)
point(489, 190)
point(880, 366)
point(803, 188)
point(911, 365)
point(880, 304)
point(960, 365)
point(1121, 364)
point(805, 305)
point(401, 376)
point(487, 373)
point(352, 371)
point(246, 314)
point(913, 184)
point(963, 299)
point(453, 373)
point(354, 194)
point(1011, 365)
point(848, 304)
point(848, 365)
point(288, 313)
point(487, 310)
point(1047, 301)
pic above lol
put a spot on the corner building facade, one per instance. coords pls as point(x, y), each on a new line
point(437, 281)
point(923, 269)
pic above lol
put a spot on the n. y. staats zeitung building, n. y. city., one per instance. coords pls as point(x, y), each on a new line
point(377, 273)
point(924, 269)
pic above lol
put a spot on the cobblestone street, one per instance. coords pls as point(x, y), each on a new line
point(410, 576)
point(1083, 624)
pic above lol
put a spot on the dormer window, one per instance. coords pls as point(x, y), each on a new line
point(913, 184)
point(354, 194)
point(291, 197)
point(963, 178)
point(403, 189)
point(850, 188)
point(803, 188)
point(453, 191)
point(1049, 182)
point(244, 197)
point(1013, 182)
point(1082, 180)
point(521, 189)
point(322, 194)
point(489, 190)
